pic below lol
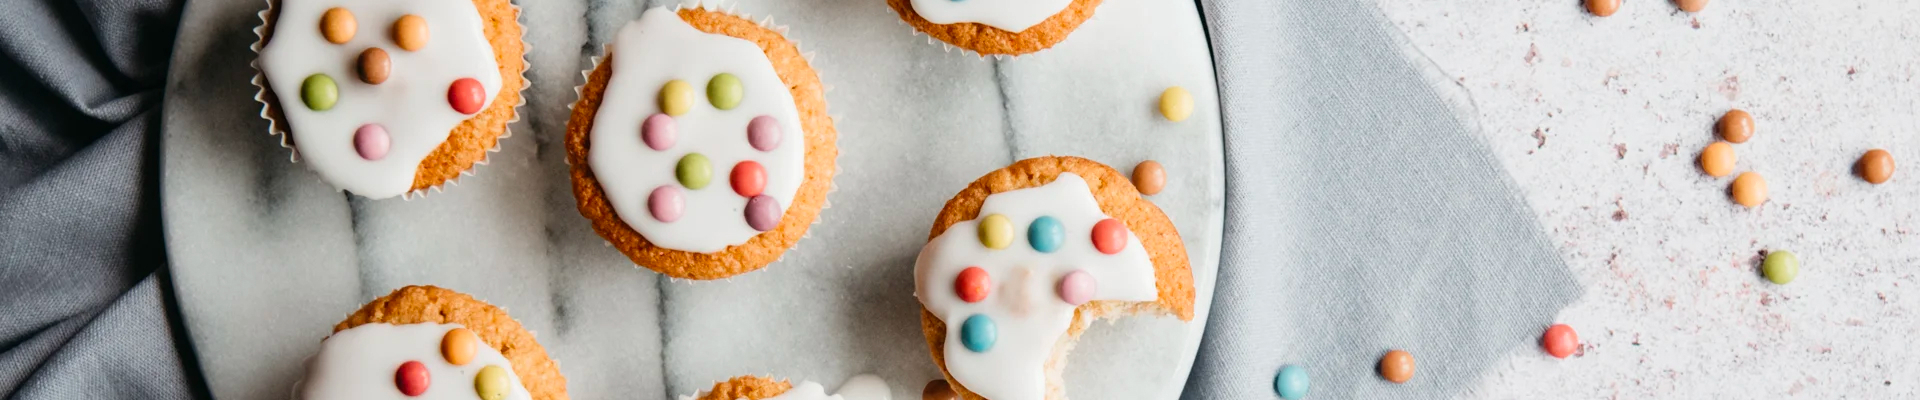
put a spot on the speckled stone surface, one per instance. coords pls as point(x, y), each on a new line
point(1600, 121)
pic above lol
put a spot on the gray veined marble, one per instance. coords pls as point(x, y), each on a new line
point(267, 257)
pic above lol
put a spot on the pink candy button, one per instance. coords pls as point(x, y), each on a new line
point(371, 141)
point(658, 131)
point(666, 203)
point(763, 132)
point(1077, 287)
point(763, 213)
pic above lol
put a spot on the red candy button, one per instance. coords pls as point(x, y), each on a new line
point(1109, 236)
point(748, 178)
point(466, 95)
point(412, 378)
point(1560, 341)
point(972, 285)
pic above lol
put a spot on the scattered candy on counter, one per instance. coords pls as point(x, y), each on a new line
point(1736, 126)
point(1718, 159)
point(693, 171)
point(466, 95)
point(1604, 8)
point(410, 32)
point(412, 378)
point(371, 141)
point(996, 231)
point(978, 333)
point(374, 66)
point(1560, 341)
point(973, 285)
point(1176, 104)
point(1749, 189)
point(491, 383)
point(1692, 6)
point(1876, 166)
point(458, 346)
point(337, 25)
point(319, 92)
point(724, 91)
point(666, 203)
point(1291, 383)
point(1397, 366)
point(659, 132)
point(676, 98)
point(1781, 266)
point(1149, 177)
point(938, 389)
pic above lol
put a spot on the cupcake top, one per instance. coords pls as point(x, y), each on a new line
point(1008, 15)
point(699, 145)
point(412, 361)
point(369, 88)
point(1007, 282)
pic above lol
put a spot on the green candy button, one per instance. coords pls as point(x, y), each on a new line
point(319, 92)
point(1781, 266)
point(694, 171)
point(724, 91)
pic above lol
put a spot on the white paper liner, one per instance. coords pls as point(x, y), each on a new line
point(833, 184)
point(276, 127)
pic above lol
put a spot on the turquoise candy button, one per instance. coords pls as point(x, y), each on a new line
point(1046, 234)
point(1291, 383)
point(978, 333)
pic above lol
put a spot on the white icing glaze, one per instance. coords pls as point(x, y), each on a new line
point(648, 53)
point(359, 363)
point(1029, 316)
point(1008, 15)
point(411, 103)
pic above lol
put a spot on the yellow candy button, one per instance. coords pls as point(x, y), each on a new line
point(491, 383)
point(1176, 104)
point(676, 98)
point(996, 231)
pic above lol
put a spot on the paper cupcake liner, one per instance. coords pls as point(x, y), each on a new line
point(833, 184)
point(276, 126)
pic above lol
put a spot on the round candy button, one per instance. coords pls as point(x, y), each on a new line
point(1397, 366)
point(338, 25)
point(658, 132)
point(676, 97)
point(374, 66)
point(458, 346)
point(763, 132)
point(1077, 287)
point(724, 91)
point(693, 171)
point(491, 383)
point(973, 284)
point(763, 213)
point(371, 141)
point(1749, 189)
point(410, 32)
point(938, 389)
point(466, 95)
point(1109, 236)
point(748, 178)
point(1176, 104)
point(996, 231)
point(1560, 341)
point(1876, 166)
point(978, 333)
point(1149, 177)
point(1046, 234)
point(412, 378)
point(1781, 266)
point(1291, 383)
point(666, 203)
point(319, 92)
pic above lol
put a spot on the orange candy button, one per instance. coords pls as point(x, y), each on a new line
point(1397, 366)
point(458, 346)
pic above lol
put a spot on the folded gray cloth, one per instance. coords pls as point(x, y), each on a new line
point(82, 312)
point(1364, 214)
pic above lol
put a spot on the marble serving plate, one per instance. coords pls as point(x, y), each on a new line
point(266, 257)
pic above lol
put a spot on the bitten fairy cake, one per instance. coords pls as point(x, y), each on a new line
point(996, 27)
point(863, 387)
point(424, 342)
point(385, 98)
point(1023, 260)
point(700, 146)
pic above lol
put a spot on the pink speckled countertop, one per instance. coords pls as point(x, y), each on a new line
point(1600, 121)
